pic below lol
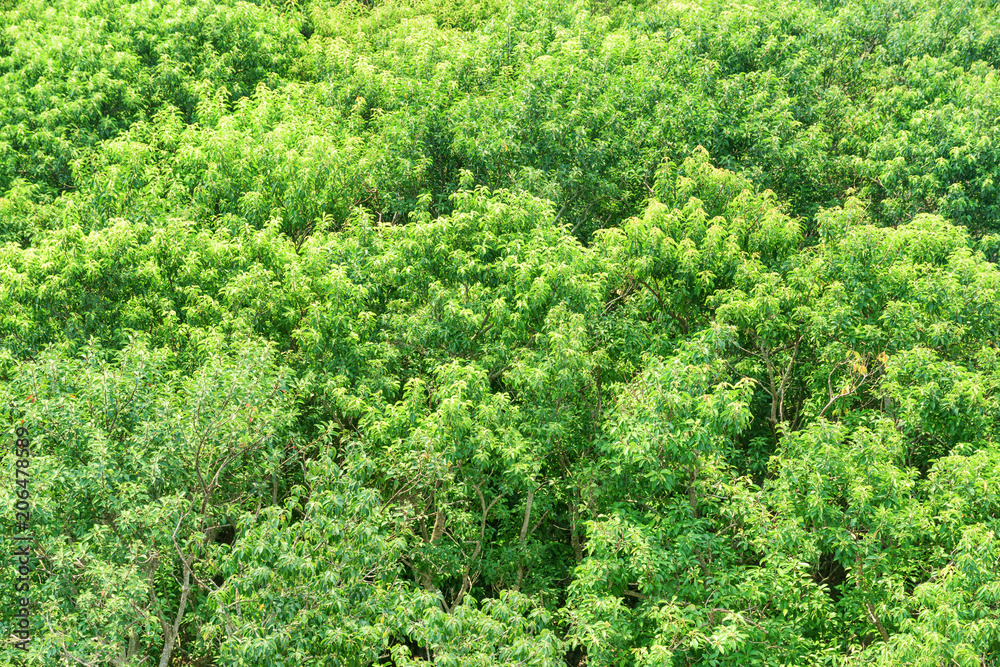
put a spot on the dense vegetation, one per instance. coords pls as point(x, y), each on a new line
point(467, 332)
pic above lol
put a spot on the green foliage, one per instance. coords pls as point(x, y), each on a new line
point(461, 332)
point(75, 73)
point(331, 551)
point(135, 468)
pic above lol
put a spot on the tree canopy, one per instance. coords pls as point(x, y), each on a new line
point(460, 332)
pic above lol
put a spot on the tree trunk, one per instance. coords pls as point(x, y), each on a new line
point(171, 632)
